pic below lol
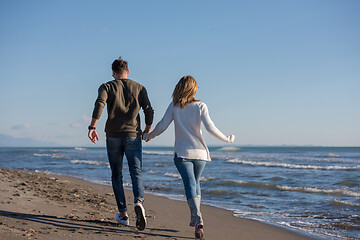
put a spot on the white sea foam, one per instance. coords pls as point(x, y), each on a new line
point(230, 149)
point(51, 155)
point(177, 175)
point(205, 179)
point(174, 175)
point(303, 224)
point(44, 171)
point(127, 185)
point(339, 191)
point(159, 165)
point(338, 202)
point(89, 162)
point(169, 153)
point(287, 165)
point(43, 155)
point(80, 149)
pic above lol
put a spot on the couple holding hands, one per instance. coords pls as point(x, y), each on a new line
point(124, 98)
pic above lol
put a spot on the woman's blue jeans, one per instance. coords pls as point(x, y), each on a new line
point(190, 171)
point(132, 148)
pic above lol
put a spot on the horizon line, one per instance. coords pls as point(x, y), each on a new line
point(209, 146)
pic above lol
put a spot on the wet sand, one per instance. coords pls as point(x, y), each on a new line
point(47, 206)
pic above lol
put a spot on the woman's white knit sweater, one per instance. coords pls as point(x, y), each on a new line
point(189, 142)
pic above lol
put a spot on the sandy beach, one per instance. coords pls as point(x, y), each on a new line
point(47, 206)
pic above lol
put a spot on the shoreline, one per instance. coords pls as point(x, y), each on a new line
point(50, 206)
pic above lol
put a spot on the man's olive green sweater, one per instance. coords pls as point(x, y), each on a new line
point(124, 98)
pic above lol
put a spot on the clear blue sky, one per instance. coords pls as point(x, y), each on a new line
point(271, 72)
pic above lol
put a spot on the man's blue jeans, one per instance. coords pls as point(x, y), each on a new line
point(132, 148)
point(190, 171)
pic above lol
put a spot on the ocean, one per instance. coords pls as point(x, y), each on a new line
point(311, 189)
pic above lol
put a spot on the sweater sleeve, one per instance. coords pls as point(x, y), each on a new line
point(163, 124)
point(146, 106)
point(100, 102)
point(210, 126)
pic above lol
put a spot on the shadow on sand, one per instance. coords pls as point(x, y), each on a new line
point(97, 226)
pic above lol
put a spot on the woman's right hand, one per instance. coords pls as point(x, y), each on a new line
point(231, 138)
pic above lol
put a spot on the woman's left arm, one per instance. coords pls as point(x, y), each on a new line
point(211, 128)
point(162, 125)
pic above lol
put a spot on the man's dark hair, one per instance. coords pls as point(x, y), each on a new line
point(119, 65)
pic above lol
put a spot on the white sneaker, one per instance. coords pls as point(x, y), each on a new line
point(122, 220)
point(140, 216)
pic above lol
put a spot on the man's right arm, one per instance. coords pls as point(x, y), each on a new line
point(100, 102)
point(98, 108)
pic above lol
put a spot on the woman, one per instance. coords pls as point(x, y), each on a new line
point(191, 152)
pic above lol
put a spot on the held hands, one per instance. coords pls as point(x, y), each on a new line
point(146, 133)
point(93, 135)
point(231, 138)
point(146, 137)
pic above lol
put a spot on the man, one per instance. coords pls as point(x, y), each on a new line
point(124, 99)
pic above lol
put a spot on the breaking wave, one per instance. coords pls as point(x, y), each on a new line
point(90, 162)
point(166, 153)
point(254, 184)
point(230, 149)
point(344, 203)
point(51, 155)
point(331, 155)
point(177, 175)
point(287, 165)
point(174, 175)
point(80, 149)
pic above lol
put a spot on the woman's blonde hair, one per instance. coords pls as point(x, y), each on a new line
point(185, 91)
